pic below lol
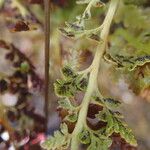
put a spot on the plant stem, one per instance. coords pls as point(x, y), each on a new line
point(93, 74)
point(47, 49)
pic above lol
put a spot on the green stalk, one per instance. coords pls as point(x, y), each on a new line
point(93, 74)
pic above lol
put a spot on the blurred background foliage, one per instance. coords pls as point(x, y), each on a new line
point(129, 35)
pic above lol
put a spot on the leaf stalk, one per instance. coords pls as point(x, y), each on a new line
point(93, 74)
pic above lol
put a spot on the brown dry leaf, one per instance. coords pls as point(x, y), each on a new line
point(23, 18)
point(21, 26)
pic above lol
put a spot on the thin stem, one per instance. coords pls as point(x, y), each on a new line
point(93, 74)
point(47, 51)
point(88, 7)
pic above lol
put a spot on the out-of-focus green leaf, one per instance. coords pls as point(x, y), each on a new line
point(131, 16)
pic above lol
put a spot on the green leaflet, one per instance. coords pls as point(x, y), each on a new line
point(126, 133)
point(95, 141)
point(71, 83)
point(95, 144)
point(64, 88)
point(60, 140)
point(84, 136)
point(99, 144)
point(110, 124)
point(106, 144)
point(76, 32)
point(111, 103)
point(129, 62)
point(118, 115)
point(68, 72)
point(115, 125)
point(77, 29)
point(73, 117)
point(82, 85)
point(66, 104)
point(102, 116)
point(98, 100)
point(140, 61)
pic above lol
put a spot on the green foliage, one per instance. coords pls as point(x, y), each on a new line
point(138, 44)
point(84, 137)
point(72, 117)
point(97, 143)
point(130, 46)
point(130, 43)
point(94, 140)
point(60, 140)
point(115, 125)
point(78, 28)
point(132, 17)
point(128, 62)
point(68, 72)
point(101, 138)
point(129, 51)
point(66, 104)
point(64, 88)
point(72, 83)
